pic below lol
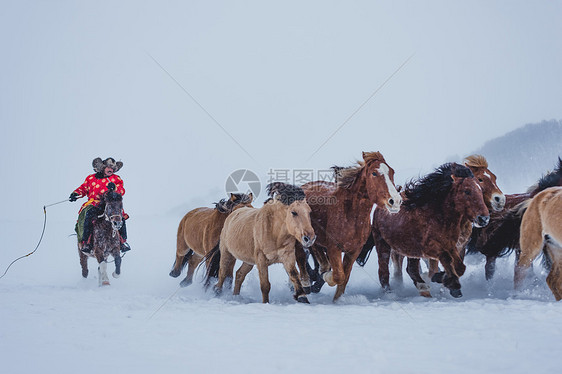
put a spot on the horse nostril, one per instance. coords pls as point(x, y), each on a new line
point(497, 198)
point(391, 201)
point(306, 239)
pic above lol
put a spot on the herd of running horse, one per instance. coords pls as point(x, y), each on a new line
point(438, 217)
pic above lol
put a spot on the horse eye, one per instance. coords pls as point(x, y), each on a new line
point(294, 214)
point(480, 180)
point(467, 192)
point(375, 174)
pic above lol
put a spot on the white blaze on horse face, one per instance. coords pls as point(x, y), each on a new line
point(395, 197)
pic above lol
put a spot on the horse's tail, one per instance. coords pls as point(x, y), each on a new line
point(212, 261)
point(366, 251)
point(546, 260)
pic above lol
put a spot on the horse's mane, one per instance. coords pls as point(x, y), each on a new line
point(552, 179)
point(111, 196)
point(433, 188)
point(476, 161)
point(345, 176)
point(286, 193)
point(227, 205)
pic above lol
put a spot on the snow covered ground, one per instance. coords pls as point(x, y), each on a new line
point(54, 321)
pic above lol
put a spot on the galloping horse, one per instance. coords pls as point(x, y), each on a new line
point(199, 232)
point(493, 198)
point(501, 236)
point(436, 208)
point(106, 239)
point(341, 215)
point(541, 229)
point(263, 237)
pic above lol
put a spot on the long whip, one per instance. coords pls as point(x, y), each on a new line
point(40, 239)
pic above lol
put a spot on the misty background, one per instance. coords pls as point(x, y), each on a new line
point(186, 92)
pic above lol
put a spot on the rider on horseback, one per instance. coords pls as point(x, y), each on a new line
point(94, 186)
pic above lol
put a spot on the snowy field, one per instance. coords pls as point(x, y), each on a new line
point(54, 321)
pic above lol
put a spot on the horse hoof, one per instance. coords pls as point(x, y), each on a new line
point(303, 299)
point(105, 283)
point(307, 290)
point(115, 275)
point(175, 274)
point(455, 293)
point(85, 273)
point(328, 278)
point(185, 282)
point(438, 277)
point(425, 294)
point(317, 286)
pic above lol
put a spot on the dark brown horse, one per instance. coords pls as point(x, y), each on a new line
point(199, 232)
point(105, 237)
point(341, 215)
point(436, 208)
point(493, 198)
point(501, 236)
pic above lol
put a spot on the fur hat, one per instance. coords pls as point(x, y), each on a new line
point(100, 165)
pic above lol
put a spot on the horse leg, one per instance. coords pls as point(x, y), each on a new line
point(102, 274)
point(183, 252)
point(383, 254)
point(397, 261)
point(289, 265)
point(433, 268)
point(450, 263)
point(348, 261)
point(337, 274)
point(302, 263)
point(265, 286)
point(322, 268)
point(83, 262)
point(490, 267)
point(226, 267)
point(413, 270)
point(240, 276)
point(117, 271)
point(192, 263)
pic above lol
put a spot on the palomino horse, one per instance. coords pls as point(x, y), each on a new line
point(501, 236)
point(436, 208)
point(199, 232)
point(341, 215)
point(541, 230)
point(493, 198)
point(263, 237)
point(106, 239)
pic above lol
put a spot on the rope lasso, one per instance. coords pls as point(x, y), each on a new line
point(40, 239)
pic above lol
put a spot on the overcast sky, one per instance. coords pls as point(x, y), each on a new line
point(185, 92)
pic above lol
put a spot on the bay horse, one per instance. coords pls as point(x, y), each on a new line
point(199, 231)
point(263, 237)
point(493, 198)
point(105, 237)
point(436, 209)
point(541, 230)
point(501, 236)
point(341, 216)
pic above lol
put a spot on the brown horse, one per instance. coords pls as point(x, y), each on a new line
point(541, 230)
point(501, 236)
point(263, 237)
point(436, 208)
point(493, 198)
point(105, 236)
point(199, 232)
point(341, 215)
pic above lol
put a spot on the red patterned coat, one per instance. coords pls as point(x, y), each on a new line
point(94, 187)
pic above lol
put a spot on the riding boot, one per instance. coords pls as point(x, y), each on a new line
point(123, 233)
point(91, 214)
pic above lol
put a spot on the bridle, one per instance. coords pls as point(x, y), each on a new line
point(116, 220)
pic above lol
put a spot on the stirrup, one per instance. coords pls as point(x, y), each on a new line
point(125, 247)
point(86, 248)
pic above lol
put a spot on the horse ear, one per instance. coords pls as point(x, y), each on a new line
point(363, 153)
point(233, 197)
point(453, 178)
point(251, 196)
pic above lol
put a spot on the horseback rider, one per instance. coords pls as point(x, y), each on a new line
point(94, 187)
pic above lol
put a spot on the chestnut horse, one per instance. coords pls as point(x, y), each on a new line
point(199, 231)
point(493, 198)
point(341, 215)
point(436, 209)
point(263, 237)
point(105, 237)
point(501, 236)
point(541, 230)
